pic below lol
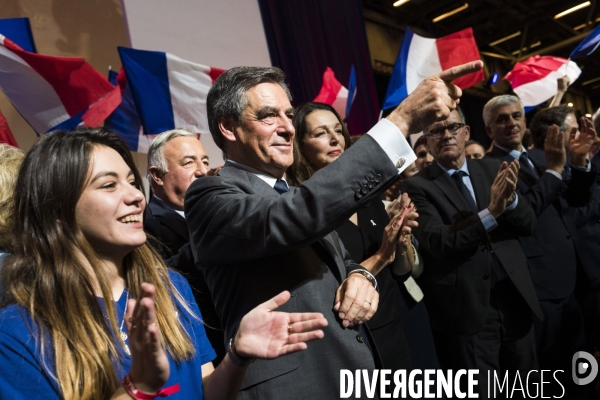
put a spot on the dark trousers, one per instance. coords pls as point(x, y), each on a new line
point(506, 342)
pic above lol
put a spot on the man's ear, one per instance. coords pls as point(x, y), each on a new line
point(488, 130)
point(227, 128)
point(156, 175)
point(467, 132)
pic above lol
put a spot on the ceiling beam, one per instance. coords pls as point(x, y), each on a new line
point(555, 46)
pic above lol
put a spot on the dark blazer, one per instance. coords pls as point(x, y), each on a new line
point(362, 242)
point(456, 247)
point(551, 250)
point(170, 237)
point(173, 237)
point(253, 243)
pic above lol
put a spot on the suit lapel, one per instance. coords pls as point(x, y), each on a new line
point(169, 218)
point(448, 188)
point(481, 194)
point(322, 247)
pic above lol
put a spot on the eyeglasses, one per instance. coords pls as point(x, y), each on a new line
point(439, 133)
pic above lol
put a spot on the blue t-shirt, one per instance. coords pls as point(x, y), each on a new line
point(23, 376)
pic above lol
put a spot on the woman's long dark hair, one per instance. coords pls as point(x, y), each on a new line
point(301, 170)
point(47, 276)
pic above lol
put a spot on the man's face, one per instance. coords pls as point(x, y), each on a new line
point(507, 126)
point(449, 149)
point(265, 138)
point(186, 161)
point(474, 152)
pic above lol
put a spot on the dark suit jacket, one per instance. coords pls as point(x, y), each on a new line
point(170, 237)
point(456, 247)
point(253, 243)
point(165, 224)
point(362, 242)
point(551, 252)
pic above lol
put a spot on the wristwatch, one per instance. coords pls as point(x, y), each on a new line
point(236, 358)
point(367, 275)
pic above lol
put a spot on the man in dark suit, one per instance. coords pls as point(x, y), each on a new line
point(477, 286)
point(176, 158)
point(552, 250)
point(253, 241)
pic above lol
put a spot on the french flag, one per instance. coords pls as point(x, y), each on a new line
point(534, 80)
point(125, 119)
point(49, 90)
point(169, 92)
point(333, 93)
point(421, 57)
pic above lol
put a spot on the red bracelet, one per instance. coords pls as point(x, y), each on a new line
point(139, 395)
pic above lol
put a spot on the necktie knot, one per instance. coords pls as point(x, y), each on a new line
point(459, 175)
point(281, 186)
point(526, 165)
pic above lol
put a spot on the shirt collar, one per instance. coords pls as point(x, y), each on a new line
point(464, 168)
point(270, 180)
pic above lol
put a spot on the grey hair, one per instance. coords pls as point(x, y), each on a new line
point(500, 101)
point(156, 155)
point(226, 98)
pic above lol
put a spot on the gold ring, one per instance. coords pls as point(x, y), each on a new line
point(290, 329)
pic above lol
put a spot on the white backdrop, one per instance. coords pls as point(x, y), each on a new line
point(217, 33)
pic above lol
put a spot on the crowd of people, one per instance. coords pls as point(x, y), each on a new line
point(382, 255)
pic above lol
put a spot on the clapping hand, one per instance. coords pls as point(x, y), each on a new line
point(580, 144)
point(554, 149)
point(503, 188)
point(149, 363)
point(266, 333)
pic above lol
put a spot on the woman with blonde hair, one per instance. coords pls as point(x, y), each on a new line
point(10, 160)
point(91, 310)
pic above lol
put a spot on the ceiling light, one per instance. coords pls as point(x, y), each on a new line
point(451, 13)
point(504, 39)
point(572, 9)
point(590, 81)
point(399, 3)
point(536, 44)
point(569, 104)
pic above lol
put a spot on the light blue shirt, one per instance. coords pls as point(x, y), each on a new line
point(488, 221)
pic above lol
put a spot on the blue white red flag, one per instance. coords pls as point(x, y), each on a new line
point(421, 57)
point(534, 80)
point(333, 93)
point(125, 119)
point(587, 45)
point(48, 90)
point(19, 31)
point(6, 135)
point(169, 92)
point(351, 91)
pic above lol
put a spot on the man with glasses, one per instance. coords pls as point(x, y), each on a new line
point(477, 286)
